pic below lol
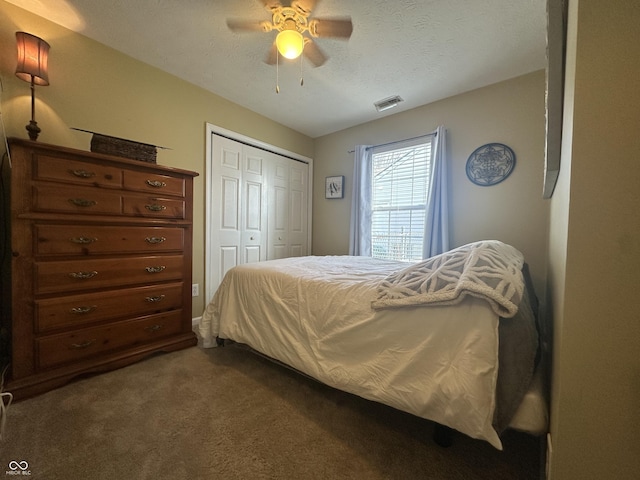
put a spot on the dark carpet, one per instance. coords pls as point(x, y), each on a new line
point(226, 413)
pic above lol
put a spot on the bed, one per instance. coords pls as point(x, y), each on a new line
point(452, 339)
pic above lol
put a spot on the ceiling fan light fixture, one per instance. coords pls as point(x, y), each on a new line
point(290, 43)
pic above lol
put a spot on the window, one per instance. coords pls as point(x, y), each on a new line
point(401, 175)
point(400, 199)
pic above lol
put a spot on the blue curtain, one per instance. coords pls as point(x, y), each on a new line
point(360, 227)
point(436, 234)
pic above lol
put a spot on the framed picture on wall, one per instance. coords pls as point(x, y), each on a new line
point(334, 187)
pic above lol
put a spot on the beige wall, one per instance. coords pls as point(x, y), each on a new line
point(96, 88)
point(513, 211)
point(595, 249)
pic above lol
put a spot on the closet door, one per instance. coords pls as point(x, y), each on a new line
point(254, 206)
point(258, 207)
point(238, 223)
point(279, 209)
point(298, 212)
point(288, 214)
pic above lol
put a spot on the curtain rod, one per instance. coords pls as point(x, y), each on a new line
point(432, 134)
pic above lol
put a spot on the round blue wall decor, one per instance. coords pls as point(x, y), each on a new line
point(490, 164)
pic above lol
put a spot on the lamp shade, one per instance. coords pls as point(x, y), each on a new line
point(33, 58)
point(290, 43)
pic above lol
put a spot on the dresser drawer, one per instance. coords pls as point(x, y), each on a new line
point(153, 207)
point(83, 200)
point(78, 310)
point(93, 239)
point(92, 201)
point(88, 274)
point(72, 171)
point(152, 182)
point(55, 350)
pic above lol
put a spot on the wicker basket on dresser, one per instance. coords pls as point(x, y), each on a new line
point(101, 263)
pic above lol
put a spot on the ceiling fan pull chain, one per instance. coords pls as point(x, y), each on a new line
point(301, 77)
point(277, 73)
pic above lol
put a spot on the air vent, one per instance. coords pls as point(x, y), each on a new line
point(388, 103)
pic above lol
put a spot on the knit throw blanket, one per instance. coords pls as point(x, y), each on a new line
point(489, 269)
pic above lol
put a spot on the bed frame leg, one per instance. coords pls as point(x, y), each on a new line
point(220, 342)
point(443, 435)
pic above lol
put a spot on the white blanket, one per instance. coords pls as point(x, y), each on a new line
point(314, 314)
point(489, 269)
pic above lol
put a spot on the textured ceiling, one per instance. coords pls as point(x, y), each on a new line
point(421, 50)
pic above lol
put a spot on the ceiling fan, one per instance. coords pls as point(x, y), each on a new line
point(292, 22)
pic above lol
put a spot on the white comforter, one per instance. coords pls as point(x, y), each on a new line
point(315, 314)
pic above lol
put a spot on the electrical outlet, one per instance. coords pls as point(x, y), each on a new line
point(195, 290)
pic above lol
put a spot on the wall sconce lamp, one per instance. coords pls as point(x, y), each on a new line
point(33, 56)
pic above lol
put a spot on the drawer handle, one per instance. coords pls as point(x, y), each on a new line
point(83, 275)
point(157, 269)
point(78, 346)
point(82, 173)
point(155, 299)
point(83, 240)
point(156, 183)
point(82, 202)
point(154, 207)
point(154, 328)
point(154, 240)
point(83, 310)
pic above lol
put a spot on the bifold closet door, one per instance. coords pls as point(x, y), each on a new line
point(287, 213)
point(239, 215)
point(259, 206)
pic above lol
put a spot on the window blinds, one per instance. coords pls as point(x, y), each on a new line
point(400, 183)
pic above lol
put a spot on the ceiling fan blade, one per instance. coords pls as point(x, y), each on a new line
point(272, 56)
point(240, 25)
point(331, 27)
point(271, 5)
point(313, 53)
point(304, 7)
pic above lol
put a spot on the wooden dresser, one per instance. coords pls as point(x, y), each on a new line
point(101, 263)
